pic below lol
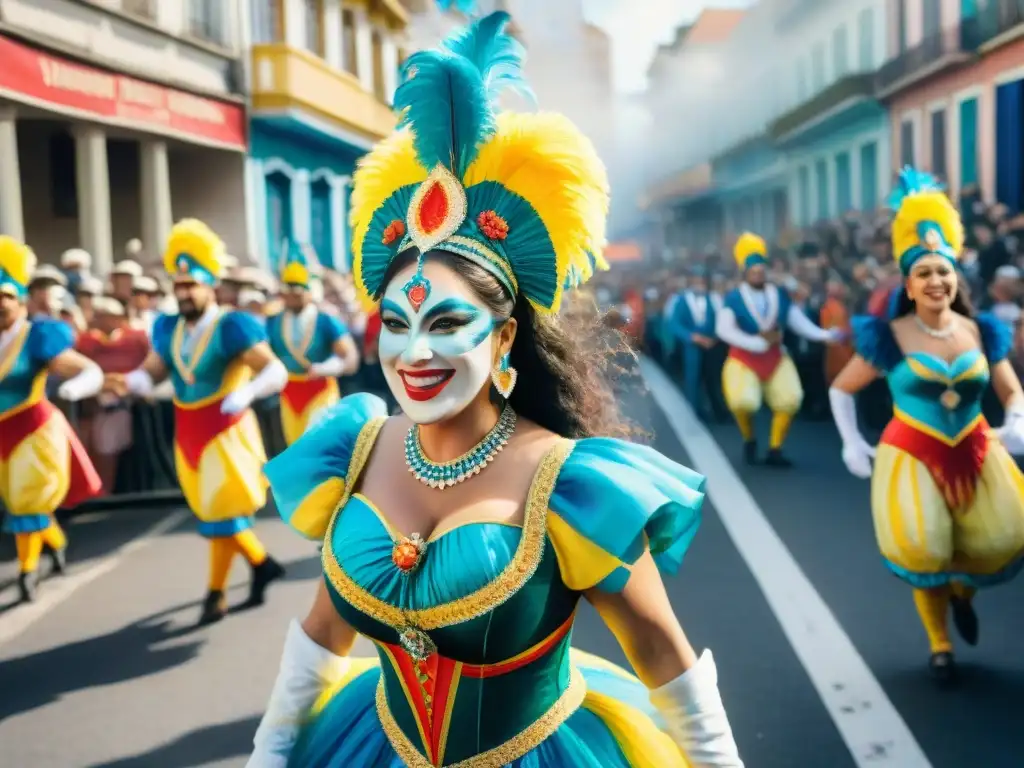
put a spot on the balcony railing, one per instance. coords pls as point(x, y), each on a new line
point(858, 86)
point(285, 77)
point(997, 18)
point(934, 54)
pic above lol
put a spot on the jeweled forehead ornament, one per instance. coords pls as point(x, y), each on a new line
point(436, 211)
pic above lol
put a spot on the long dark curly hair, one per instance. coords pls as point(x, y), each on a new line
point(562, 366)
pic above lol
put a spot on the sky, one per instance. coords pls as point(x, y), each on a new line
point(638, 27)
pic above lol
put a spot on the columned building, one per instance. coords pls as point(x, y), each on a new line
point(116, 118)
point(323, 75)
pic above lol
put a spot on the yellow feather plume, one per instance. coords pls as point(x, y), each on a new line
point(544, 159)
point(389, 166)
point(17, 259)
point(197, 240)
point(926, 206)
point(749, 245)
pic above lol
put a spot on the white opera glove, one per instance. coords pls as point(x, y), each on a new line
point(139, 382)
point(88, 382)
point(330, 368)
point(857, 453)
point(237, 401)
point(306, 670)
point(695, 716)
point(1012, 431)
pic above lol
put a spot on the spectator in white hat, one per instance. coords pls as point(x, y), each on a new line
point(122, 279)
point(87, 291)
point(46, 291)
point(253, 302)
point(1005, 293)
point(77, 265)
point(146, 295)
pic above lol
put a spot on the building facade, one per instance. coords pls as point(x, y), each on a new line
point(117, 117)
point(954, 85)
point(323, 75)
point(834, 134)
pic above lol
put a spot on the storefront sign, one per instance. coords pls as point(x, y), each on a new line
point(34, 77)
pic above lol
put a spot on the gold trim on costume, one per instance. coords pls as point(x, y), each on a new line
point(287, 326)
point(14, 350)
point(503, 754)
point(187, 369)
point(493, 594)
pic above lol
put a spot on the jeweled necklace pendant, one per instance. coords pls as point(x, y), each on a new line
point(935, 333)
point(950, 399)
point(459, 470)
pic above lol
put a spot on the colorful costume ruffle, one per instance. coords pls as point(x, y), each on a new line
point(946, 496)
point(43, 465)
point(495, 602)
point(219, 458)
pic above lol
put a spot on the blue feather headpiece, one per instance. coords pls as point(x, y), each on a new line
point(522, 195)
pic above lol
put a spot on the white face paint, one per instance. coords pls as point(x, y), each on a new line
point(436, 359)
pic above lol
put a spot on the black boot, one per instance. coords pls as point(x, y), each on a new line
point(942, 666)
point(28, 586)
point(965, 619)
point(215, 608)
point(58, 560)
point(264, 573)
point(777, 460)
point(750, 452)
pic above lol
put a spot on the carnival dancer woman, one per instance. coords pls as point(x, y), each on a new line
point(314, 346)
point(468, 529)
point(219, 363)
point(43, 466)
point(946, 497)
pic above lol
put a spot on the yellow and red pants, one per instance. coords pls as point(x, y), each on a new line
point(750, 379)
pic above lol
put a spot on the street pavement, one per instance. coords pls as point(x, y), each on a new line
point(108, 672)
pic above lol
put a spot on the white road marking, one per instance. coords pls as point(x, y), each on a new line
point(869, 724)
point(56, 590)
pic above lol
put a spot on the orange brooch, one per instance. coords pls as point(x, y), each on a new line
point(492, 225)
point(407, 553)
point(393, 231)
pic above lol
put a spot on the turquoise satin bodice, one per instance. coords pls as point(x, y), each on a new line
point(943, 396)
point(24, 360)
point(208, 366)
point(298, 350)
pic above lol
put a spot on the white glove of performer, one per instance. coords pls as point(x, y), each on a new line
point(306, 670)
point(88, 382)
point(268, 381)
point(330, 368)
point(695, 716)
point(237, 401)
point(1012, 431)
point(139, 382)
point(857, 454)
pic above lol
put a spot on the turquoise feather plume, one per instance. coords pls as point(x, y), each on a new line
point(498, 56)
point(912, 182)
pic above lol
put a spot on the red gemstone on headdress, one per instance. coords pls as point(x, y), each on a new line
point(434, 209)
point(417, 295)
point(492, 225)
point(393, 232)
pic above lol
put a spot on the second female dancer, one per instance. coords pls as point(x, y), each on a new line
point(946, 496)
point(461, 536)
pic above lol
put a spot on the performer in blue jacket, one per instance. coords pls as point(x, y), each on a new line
point(693, 326)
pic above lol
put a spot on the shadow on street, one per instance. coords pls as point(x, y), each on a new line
point(200, 747)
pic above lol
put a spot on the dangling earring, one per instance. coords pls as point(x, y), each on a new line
point(503, 376)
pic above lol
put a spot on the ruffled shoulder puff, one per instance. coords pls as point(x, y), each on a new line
point(614, 500)
point(314, 475)
point(873, 340)
point(47, 338)
point(996, 337)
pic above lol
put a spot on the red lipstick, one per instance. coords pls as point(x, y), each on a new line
point(425, 385)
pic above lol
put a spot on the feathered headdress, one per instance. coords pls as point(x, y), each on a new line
point(194, 250)
point(299, 265)
point(17, 263)
point(522, 195)
point(926, 222)
point(750, 250)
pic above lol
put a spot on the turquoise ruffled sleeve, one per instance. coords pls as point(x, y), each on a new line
point(47, 339)
point(996, 337)
point(310, 478)
point(240, 332)
point(612, 501)
point(331, 328)
point(163, 330)
point(873, 340)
